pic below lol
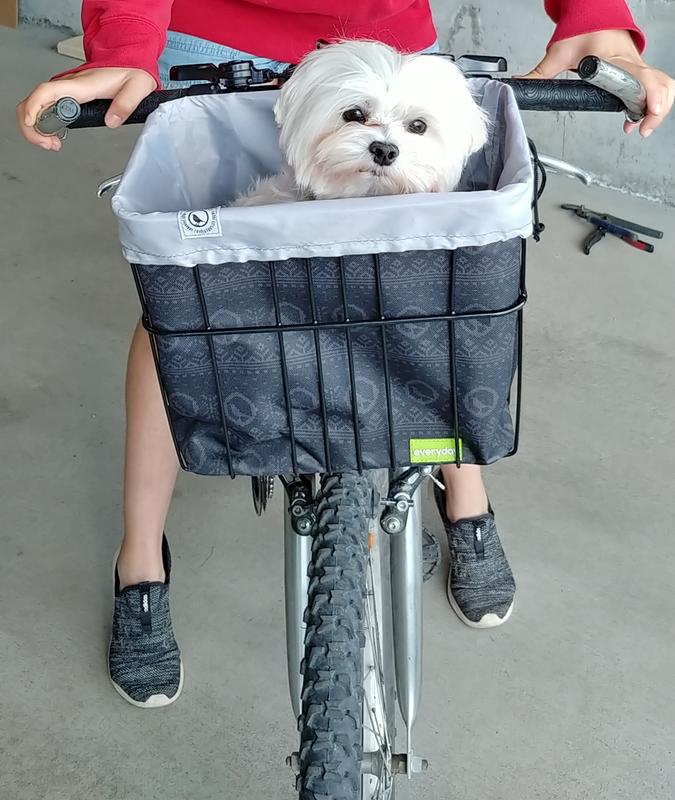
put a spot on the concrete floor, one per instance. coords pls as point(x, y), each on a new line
point(572, 699)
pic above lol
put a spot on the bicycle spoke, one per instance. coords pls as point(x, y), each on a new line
point(376, 731)
point(381, 738)
point(377, 651)
point(378, 721)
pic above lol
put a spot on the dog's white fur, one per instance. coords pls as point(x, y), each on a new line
point(327, 157)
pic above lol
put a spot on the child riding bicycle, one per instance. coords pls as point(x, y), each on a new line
point(130, 48)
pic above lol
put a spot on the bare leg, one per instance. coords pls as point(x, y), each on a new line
point(465, 493)
point(150, 470)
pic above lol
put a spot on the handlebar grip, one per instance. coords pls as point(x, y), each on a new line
point(54, 120)
point(561, 95)
point(93, 114)
point(620, 83)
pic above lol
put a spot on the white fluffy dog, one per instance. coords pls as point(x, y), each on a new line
point(359, 119)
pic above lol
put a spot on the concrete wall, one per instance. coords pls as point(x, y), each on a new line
point(61, 13)
point(519, 30)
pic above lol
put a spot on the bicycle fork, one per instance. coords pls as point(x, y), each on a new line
point(406, 596)
point(297, 550)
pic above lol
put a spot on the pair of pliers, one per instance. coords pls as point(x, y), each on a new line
point(603, 227)
point(621, 228)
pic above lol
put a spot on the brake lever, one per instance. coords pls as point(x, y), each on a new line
point(230, 75)
point(481, 66)
point(562, 167)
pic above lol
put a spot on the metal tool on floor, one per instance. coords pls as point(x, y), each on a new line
point(623, 229)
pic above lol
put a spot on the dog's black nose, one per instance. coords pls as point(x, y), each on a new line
point(384, 153)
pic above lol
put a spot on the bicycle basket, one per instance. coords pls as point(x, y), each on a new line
point(326, 335)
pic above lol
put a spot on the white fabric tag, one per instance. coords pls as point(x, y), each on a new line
point(198, 224)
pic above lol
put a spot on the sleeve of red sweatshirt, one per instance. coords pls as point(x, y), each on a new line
point(124, 33)
point(574, 17)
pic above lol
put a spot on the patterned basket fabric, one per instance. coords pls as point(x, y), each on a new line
point(226, 396)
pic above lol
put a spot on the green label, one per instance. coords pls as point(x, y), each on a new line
point(434, 451)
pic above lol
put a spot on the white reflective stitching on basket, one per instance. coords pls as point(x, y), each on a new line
point(524, 231)
point(199, 224)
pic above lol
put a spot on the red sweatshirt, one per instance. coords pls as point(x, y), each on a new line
point(126, 33)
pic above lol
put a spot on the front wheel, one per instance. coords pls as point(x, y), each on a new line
point(347, 721)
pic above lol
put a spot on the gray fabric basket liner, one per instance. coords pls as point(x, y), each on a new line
point(200, 152)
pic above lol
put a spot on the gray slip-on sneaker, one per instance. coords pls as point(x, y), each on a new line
point(481, 586)
point(144, 661)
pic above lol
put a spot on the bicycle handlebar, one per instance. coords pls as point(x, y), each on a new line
point(93, 113)
point(604, 87)
point(531, 95)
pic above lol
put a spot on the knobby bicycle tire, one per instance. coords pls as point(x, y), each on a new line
point(331, 721)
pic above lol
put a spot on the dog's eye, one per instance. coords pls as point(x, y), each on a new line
point(417, 126)
point(354, 115)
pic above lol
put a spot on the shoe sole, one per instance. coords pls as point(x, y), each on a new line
point(490, 620)
point(155, 700)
